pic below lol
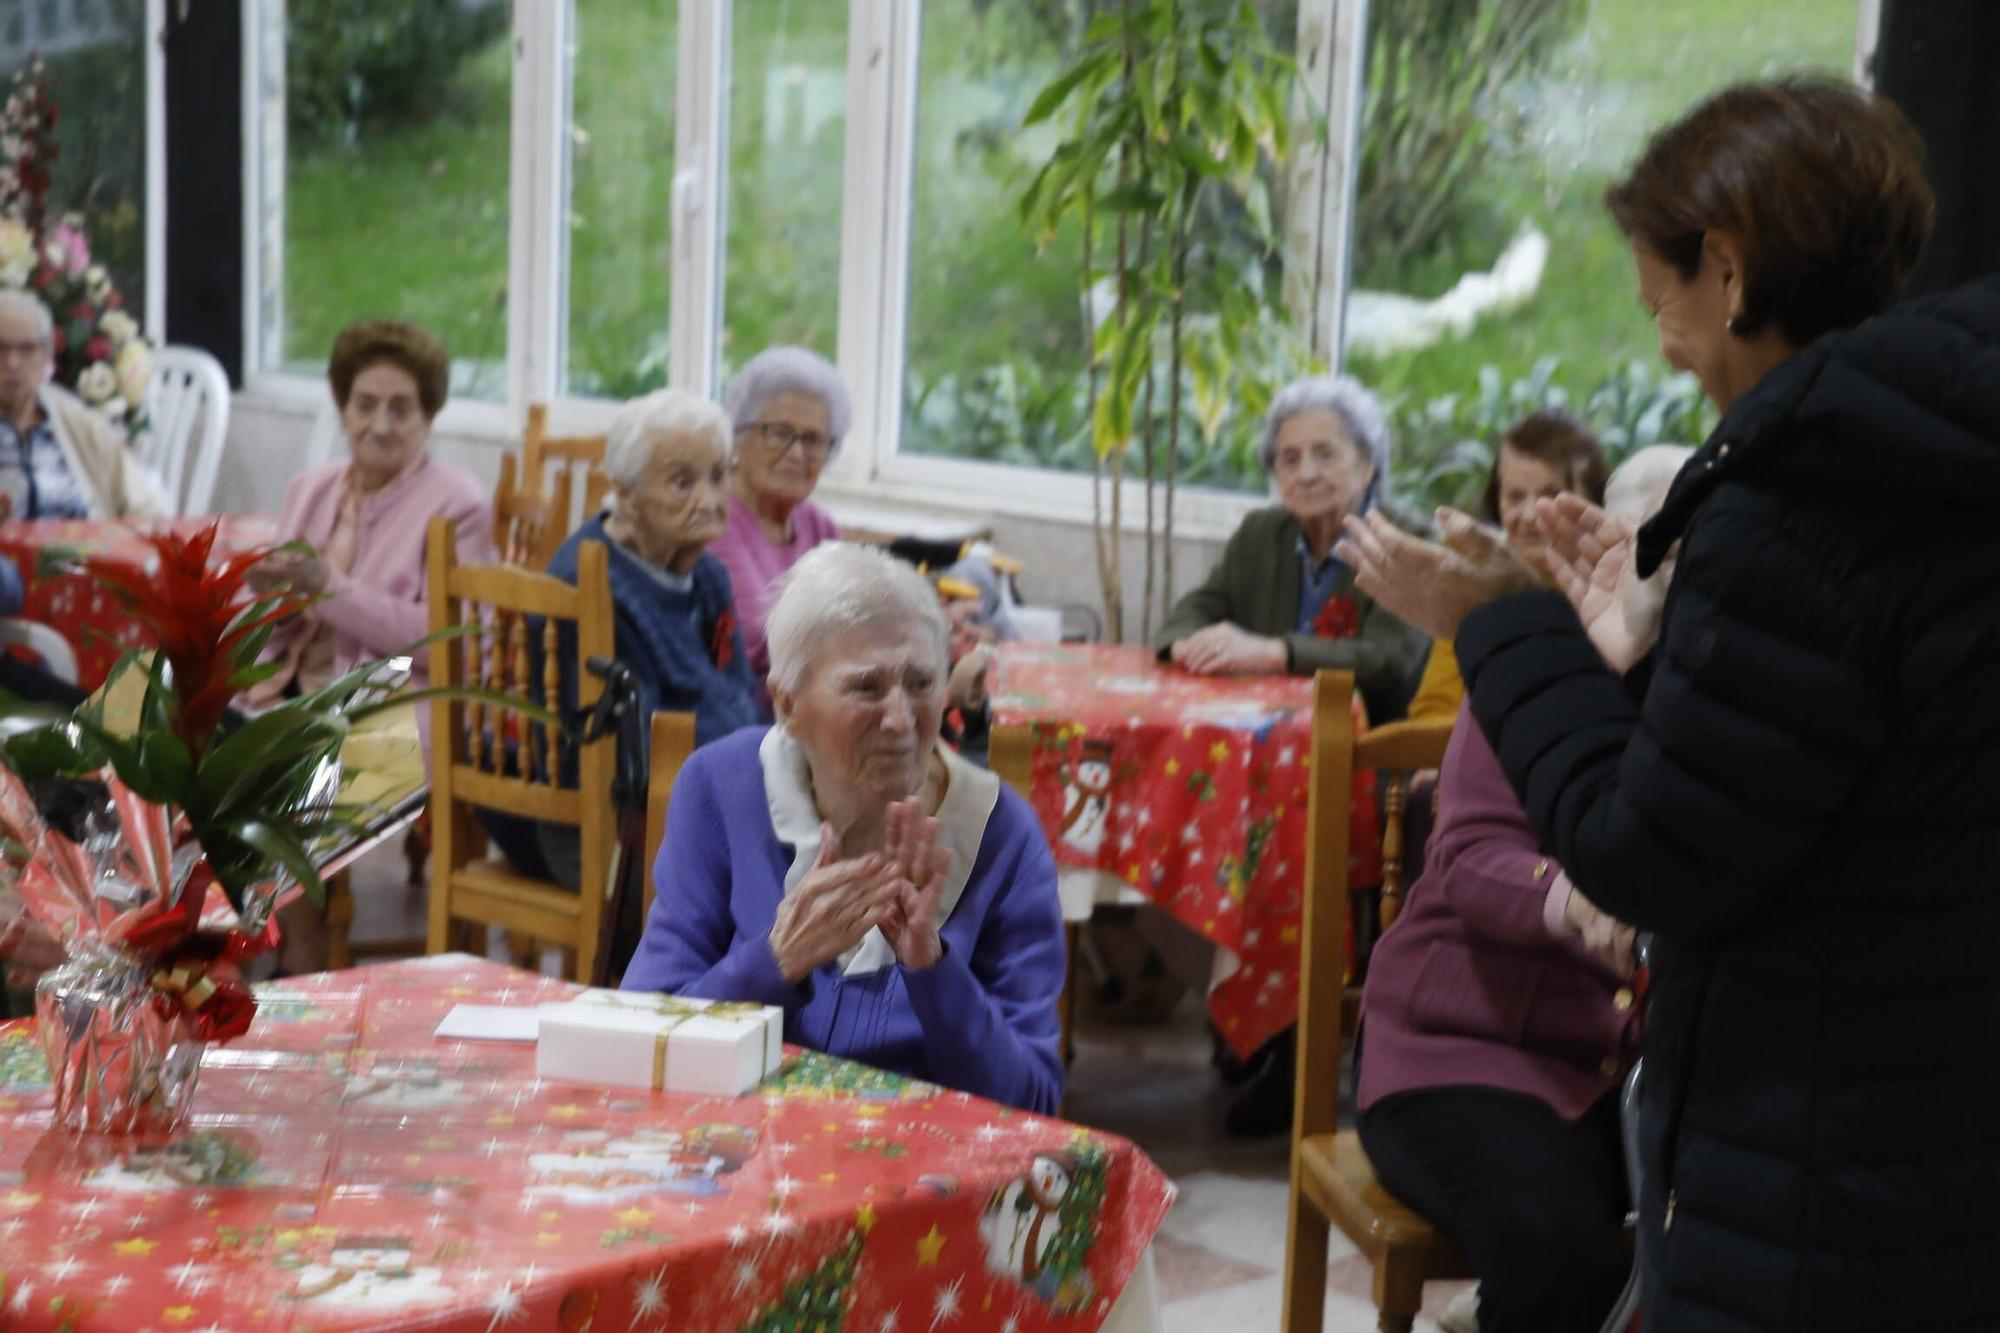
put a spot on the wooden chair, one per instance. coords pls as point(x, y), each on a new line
point(1011, 755)
point(492, 756)
point(672, 743)
point(529, 524)
point(1332, 1180)
point(596, 491)
point(541, 451)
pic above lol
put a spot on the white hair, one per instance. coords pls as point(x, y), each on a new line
point(643, 422)
point(839, 586)
point(17, 302)
point(1357, 409)
point(784, 369)
point(1638, 486)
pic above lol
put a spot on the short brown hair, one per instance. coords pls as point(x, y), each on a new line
point(417, 352)
point(1822, 182)
point(1556, 438)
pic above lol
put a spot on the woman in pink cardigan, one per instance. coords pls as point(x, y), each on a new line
point(366, 518)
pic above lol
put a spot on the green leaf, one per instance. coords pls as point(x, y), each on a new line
point(165, 760)
point(534, 712)
point(1132, 197)
point(281, 849)
point(1058, 88)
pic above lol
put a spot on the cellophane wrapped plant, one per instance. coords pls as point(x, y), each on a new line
point(156, 856)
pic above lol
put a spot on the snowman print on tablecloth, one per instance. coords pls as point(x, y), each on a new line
point(370, 1273)
point(408, 1085)
point(1035, 1230)
point(1087, 798)
point(200, 1160)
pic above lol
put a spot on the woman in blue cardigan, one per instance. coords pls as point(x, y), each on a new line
point(896, 902)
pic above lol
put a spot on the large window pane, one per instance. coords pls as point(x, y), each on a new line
point(1541, 139)
point(621, 193)
point(94, 69)
point(787, 143)
point(997, 337)
point(396, 167)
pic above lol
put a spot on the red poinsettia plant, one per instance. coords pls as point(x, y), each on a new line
point(117, 836)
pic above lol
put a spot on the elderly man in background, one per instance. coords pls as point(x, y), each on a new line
point(896, 902)
point(788, 408)
point(58, 459)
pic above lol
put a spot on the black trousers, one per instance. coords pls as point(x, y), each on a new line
point(24, 680)
point(1535, 1203)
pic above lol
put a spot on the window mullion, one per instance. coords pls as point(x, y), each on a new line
point(538, 201)
point(701, 142)
point(1332, 56)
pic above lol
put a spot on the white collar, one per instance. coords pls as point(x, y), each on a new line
point(969, 797)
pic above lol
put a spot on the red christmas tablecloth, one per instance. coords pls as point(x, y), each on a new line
point(345, 1169)
point(1192, 790)
point(86, 613)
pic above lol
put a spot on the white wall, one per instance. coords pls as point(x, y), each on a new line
point(269, 436)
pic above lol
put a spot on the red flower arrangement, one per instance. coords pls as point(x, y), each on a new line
point(1338, 619)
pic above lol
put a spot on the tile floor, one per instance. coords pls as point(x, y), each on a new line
point(1221, 1253)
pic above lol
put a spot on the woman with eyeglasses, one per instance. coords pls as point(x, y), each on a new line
point(788, 409)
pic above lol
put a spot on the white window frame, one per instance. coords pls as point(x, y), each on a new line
point(884, 42)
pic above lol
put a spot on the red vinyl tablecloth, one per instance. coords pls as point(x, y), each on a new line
point(89, 615)
point(1192, 790)
point(345, 1170)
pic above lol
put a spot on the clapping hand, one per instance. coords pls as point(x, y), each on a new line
point(833, 907)
point(1433, 585)
point(301, 570)
point(1224, 649)
point(919, 867)
point(1591, 556)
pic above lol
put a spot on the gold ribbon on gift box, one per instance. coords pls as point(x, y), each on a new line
point(729, 1009)
point(660, 1052)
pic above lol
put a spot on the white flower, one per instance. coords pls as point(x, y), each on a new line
point(97, 383)
point(116, 324)
point(17, 252)
point(53, 252)
point(135, 367)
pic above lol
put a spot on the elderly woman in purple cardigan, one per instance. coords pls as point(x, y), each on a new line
point(1494, 1032)
point(896, 902)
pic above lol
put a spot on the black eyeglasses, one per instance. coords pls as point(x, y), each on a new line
point(779, 437)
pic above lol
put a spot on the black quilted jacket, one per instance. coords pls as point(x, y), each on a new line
point(1799, 792)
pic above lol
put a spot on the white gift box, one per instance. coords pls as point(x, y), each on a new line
point(663, 1042)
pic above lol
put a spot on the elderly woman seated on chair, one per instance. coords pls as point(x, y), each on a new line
point(673, 608)
point(1494, 1028)
point(898, 903)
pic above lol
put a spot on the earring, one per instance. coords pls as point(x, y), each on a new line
point(1734, 326)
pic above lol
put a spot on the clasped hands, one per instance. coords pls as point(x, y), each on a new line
point(838, 902)
point(1588, 552)
point(1223, 649)
point(299, 568)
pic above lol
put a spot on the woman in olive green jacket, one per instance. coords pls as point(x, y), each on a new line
point(1279, 600)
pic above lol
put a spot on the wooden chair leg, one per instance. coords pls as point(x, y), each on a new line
point(1306, 1235)
point(523, 951)
point(1399, 1291)
point(339, 922)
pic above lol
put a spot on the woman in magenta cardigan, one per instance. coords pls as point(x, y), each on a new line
point(366, 518)
point(1494, 1030)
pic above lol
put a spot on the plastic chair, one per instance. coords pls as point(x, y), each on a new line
point(187, 416)
point(45, 642)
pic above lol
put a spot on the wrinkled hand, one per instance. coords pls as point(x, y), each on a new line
point(1603, 936)
point(834, 906)
point(1224, 649)
point(1431, 585)
point(967, 686)
point(918, 867)
point(1591, 554)
point(307, 573)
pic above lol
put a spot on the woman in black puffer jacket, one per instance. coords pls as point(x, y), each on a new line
point(1797, 786)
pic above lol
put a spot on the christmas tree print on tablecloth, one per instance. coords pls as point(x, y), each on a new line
point(815, 1301)
point(812, 1074)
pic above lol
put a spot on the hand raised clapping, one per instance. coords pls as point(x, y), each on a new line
point(834, 906)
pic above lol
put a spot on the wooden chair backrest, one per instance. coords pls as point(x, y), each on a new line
point(486, 754)
point(597, 491)
point(1394, 750)
point(529, 526)
point(1010, 754)
point(544, 455)
point(672, 744)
